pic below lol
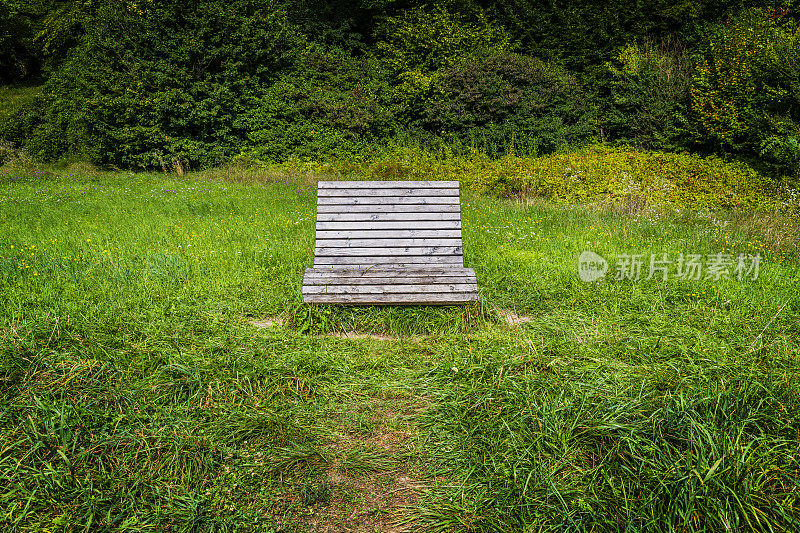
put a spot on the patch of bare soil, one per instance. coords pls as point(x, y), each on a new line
point(373, 503)
point(269, 322)
point(513, 319)
point(357, 335)
point(373, 489)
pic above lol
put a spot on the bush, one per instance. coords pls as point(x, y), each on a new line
point(605, 174)
point(518, 103)
point(745, 97)
point(15, 33)
point(329, 105)
point(161, 84)
point(421, 42)
point(648, 95)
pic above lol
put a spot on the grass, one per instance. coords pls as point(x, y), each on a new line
point(138, 396)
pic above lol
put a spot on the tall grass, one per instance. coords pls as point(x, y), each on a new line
point(136, 395)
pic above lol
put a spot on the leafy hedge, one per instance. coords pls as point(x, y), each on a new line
point(162, 83)
point(646, 95)
point(510, 100)
point(328, 105)
point(607, 174)
point(746, 93)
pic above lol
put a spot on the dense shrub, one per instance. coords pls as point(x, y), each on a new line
point(647, 88)
point(162, 83)
point(514, 101)
point(426, 40)
point(330, 104)
point(746, 95)
point(584, 34)
point(421, 42)
point(36, 35)
point(14, 31)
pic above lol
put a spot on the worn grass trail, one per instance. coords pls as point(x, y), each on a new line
point(136, 393)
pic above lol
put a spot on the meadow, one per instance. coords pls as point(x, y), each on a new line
point(159, 371)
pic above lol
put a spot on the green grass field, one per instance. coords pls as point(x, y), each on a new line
point(159, 371)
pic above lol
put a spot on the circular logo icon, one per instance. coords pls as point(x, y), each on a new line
point(591, 266)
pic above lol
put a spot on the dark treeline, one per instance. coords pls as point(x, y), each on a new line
point(147, 83)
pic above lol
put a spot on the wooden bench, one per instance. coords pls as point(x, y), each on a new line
point(389, 242)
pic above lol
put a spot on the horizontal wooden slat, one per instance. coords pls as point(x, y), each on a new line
point(381, 243)
point(386, 184)
point(396, 299)
point(389, 289)
point(385, 217)
point(391, 225)
point(384, 200)
point(390, 260)
point(371, 208)
point(400, 234)
point(387, 193)
point(322, 279)
point(368, 265)
point(391, 251)
point(444, 270)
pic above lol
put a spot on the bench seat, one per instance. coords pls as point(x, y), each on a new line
point(389, 242)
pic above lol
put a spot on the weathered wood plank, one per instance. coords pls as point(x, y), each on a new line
point(390, 251)
point(387, 193)
point(368, 265)
point(396, 299)
point(386, 184)
point(391, 225)
point(385, 217)
point(400, 234)
point(320, 279)
point(390, 289)
point(419, 270)
point(382, 200)
point(410, 208)
point(390, 260)
point(380, 243)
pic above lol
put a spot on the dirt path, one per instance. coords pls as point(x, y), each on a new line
point(375, 474)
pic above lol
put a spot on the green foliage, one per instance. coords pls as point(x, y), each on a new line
point(59, 28)
point(605, 174)
point(426, 40)
point(328, 105)
point(36, 35)
point(517, 102)
point(15, 30)
point(16, 113)
point(157, 86)
point(151, 84)
point(745, 96)
point(421, 42)
point(583, 35)
point(647, 99)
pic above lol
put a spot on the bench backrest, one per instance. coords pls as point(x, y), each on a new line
point(361, 224)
